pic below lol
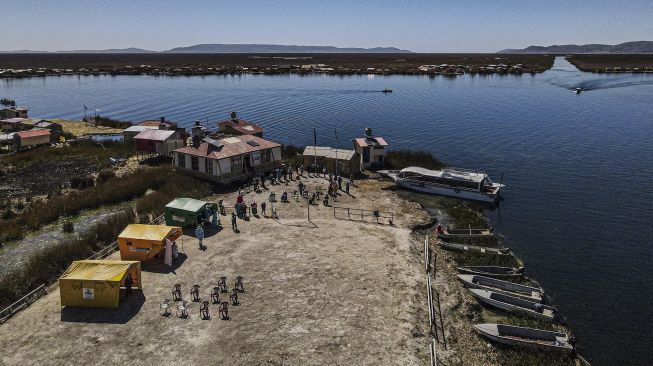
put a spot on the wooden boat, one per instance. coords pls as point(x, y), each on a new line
point(493, 271)
point(528, 337)
point(508, 288)
point(466, 233)
point(386, 90)
point(473, 248)
point(515, 304)
point(578, 90)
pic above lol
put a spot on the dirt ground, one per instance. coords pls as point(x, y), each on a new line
point(325, 292)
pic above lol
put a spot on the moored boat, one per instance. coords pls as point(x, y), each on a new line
point(465, 233)
point(528, 337)
point(459, 183)
point(515, 304)
point(509, 288)
point(493, 271)
point(473, 248)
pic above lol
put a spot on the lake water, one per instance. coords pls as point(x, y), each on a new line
point(579, 168)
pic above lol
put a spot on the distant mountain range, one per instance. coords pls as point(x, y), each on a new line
point(238, 48)
point(627, 47)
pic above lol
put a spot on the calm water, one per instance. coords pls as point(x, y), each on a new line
point(579, 168)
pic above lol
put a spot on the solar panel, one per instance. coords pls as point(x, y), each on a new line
point(253, 143)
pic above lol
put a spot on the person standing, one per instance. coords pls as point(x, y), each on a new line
point(234, 222)
point(254, 209)
point(347, 187)
point(263, 205)
point(199, 234)
point(339, 182)
point(128, 284)
point(274, 211)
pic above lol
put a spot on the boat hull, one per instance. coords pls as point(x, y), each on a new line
point(511, 308)
point(447, 191)
point(545, 338)
point(479, 272)
point(508, 288)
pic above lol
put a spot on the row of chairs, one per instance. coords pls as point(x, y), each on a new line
point(182, 308)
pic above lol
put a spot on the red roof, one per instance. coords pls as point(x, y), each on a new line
point(240, 125)
point(154, 135)
point(150, 123)
point(33, 133)
point(228, 147)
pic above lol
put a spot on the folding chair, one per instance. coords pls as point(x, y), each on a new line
point(224, 310)
point(164, 307)
point(204, 310)
point(222, 284)
point(182, 309)
point(234, 297)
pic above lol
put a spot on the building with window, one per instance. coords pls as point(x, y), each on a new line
point(344, 162)
point(228, 159)
point(24, 139)
point(371, 149)
point(158, 142)
point(13, 112)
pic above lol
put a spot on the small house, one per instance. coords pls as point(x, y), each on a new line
point(129, 133)
point(13, 112)
point(344, 162)
point(15, 124)
point(187, 212)
point(371, 149)
point(228, 159)
point(97, 283)
point(55, 129)
point(159, 142)
point(143, 242)
point(237, 126)
point(31, 138)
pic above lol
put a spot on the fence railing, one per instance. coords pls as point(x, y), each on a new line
point(35, 294)
point(434, 317)
point(381, 217)
point(22, 303)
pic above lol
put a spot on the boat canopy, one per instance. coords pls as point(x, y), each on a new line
point(448, 173)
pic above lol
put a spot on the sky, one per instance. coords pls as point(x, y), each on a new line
point(419, 25)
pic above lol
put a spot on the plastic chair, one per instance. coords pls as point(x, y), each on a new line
point(195, 293)
point(164, 307)
point(182, 309)
point(234, 297)
point(222, 284)
point(176, 293)
point(204, 310)
point(239, 284)
point(215, 295)
point(224, 310)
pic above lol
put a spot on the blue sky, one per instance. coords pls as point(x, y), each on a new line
point(421, 26)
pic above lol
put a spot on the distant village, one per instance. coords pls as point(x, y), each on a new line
point(302, 69)
point(233, 152)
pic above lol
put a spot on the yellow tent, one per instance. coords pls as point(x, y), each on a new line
point(142, 242)
point(96, 283)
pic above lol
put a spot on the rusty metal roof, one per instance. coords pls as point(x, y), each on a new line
point(154, 135)
point(240, 125)
point(32, 133)
point(228, 147)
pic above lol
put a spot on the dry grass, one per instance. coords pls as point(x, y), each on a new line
point(81, 128)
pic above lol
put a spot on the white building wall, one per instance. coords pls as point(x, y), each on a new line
point(276, 154)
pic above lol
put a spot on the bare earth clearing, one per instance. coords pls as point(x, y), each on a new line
point(336, 292)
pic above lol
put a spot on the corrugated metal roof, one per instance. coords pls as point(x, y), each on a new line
point(140, 128)
point(376, 141)
point(231, 146)
point(329, 152)
point(154, 135)
point(33, 133)
point(186, 204)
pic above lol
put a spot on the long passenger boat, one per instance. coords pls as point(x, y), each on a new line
point(453, 182)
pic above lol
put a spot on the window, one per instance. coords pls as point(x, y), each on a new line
point(181, 160)
point(194, 163)
point(236, 162)
point(208, 166)
point(265, 156)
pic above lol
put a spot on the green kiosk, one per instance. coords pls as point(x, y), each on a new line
point(188, 212)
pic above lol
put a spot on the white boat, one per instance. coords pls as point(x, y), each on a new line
point(506, 287)
point(515, 304)
point(529, 337)
point(459, 183)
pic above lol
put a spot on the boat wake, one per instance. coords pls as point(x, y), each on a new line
point(599, 84)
